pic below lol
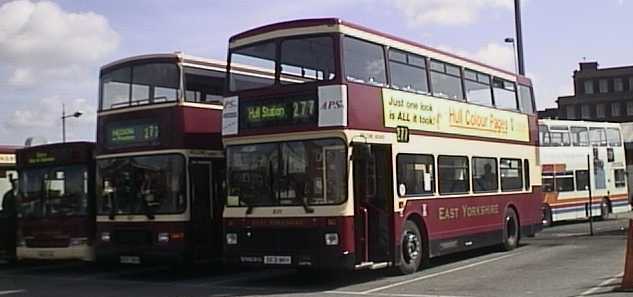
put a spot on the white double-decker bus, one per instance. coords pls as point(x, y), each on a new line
point(580, 159)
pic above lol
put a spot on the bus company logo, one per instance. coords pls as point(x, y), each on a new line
point(332, 104)
point(453, 213)
point(230, 104)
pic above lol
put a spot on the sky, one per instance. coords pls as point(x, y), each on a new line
point(51, 51)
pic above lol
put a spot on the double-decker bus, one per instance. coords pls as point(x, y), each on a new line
point(580, 159)
point(56, 210)
point(160, 163)
point(368, 150)
point(7, 227)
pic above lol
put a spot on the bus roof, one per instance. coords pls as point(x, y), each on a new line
point(577, 123)
point(289, 28)
point(8, 149)
point(177, 56)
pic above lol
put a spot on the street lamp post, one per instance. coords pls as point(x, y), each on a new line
point(514, 53)
point(76, 114)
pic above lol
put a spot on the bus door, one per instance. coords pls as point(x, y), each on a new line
point(373, 202)
point(200, 172)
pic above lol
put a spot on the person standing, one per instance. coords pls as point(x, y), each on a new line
point(9, 211)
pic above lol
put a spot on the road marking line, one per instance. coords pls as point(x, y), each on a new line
point(12, 292)
point(603, 284)
point(385, 294)
point(437, 274)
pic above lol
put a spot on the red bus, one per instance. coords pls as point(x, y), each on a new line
point(7, 218)
point(160, 159)
point(56, 210)
point(368, 151)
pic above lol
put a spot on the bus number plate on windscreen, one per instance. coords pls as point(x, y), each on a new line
point(130, 260)
point(280, 260)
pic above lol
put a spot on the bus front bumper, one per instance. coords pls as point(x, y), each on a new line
point(82, 252)
point(323, 259)
point(113, 254)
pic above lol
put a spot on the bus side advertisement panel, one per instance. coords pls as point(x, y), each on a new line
point(430, 114)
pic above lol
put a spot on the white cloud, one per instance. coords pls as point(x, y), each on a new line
point(46, 113)
point(448, 12)
point(40, 41)
point(493, 54)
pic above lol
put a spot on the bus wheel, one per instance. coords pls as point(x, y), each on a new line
point(510, 230)
point(547, 216)
point(604, 209)
point(411, 253)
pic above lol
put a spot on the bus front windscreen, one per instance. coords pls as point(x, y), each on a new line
point(142, 185)
point(54, 191)
point(294, 173)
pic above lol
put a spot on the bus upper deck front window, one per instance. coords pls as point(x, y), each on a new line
point(260, 56)
point(140, 84)
point(307, 59)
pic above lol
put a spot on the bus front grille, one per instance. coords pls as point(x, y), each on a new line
point(279, 239)
point(132, 237)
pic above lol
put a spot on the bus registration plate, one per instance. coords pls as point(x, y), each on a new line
point(130, 260)
point(279, 260)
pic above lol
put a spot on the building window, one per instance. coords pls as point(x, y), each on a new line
point(571, 112)
point(600, 110)
point(629, 108)
point(631, 84)
point(585, 112)
point(618, 85)
point(588, 87)
point(615, 109)
point(604, 86)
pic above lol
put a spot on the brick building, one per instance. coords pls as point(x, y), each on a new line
point(600, 94)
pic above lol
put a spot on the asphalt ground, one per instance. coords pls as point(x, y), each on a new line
point(560, 261)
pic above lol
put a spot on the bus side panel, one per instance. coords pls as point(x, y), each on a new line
point(461, 223)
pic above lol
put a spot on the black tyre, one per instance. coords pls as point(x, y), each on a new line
point(604, 209)
point(510, 230)
point(547, 216)
point(412, 249)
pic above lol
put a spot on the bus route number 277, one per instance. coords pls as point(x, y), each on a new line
point(402, 133)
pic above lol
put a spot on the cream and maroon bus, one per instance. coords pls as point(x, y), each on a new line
point(368, 151)
point(580, 158)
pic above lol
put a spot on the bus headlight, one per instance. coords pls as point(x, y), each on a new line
point(331, 238)
point(231, 238)
point(105, 236)
point(78, 241)
point(163, 237)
